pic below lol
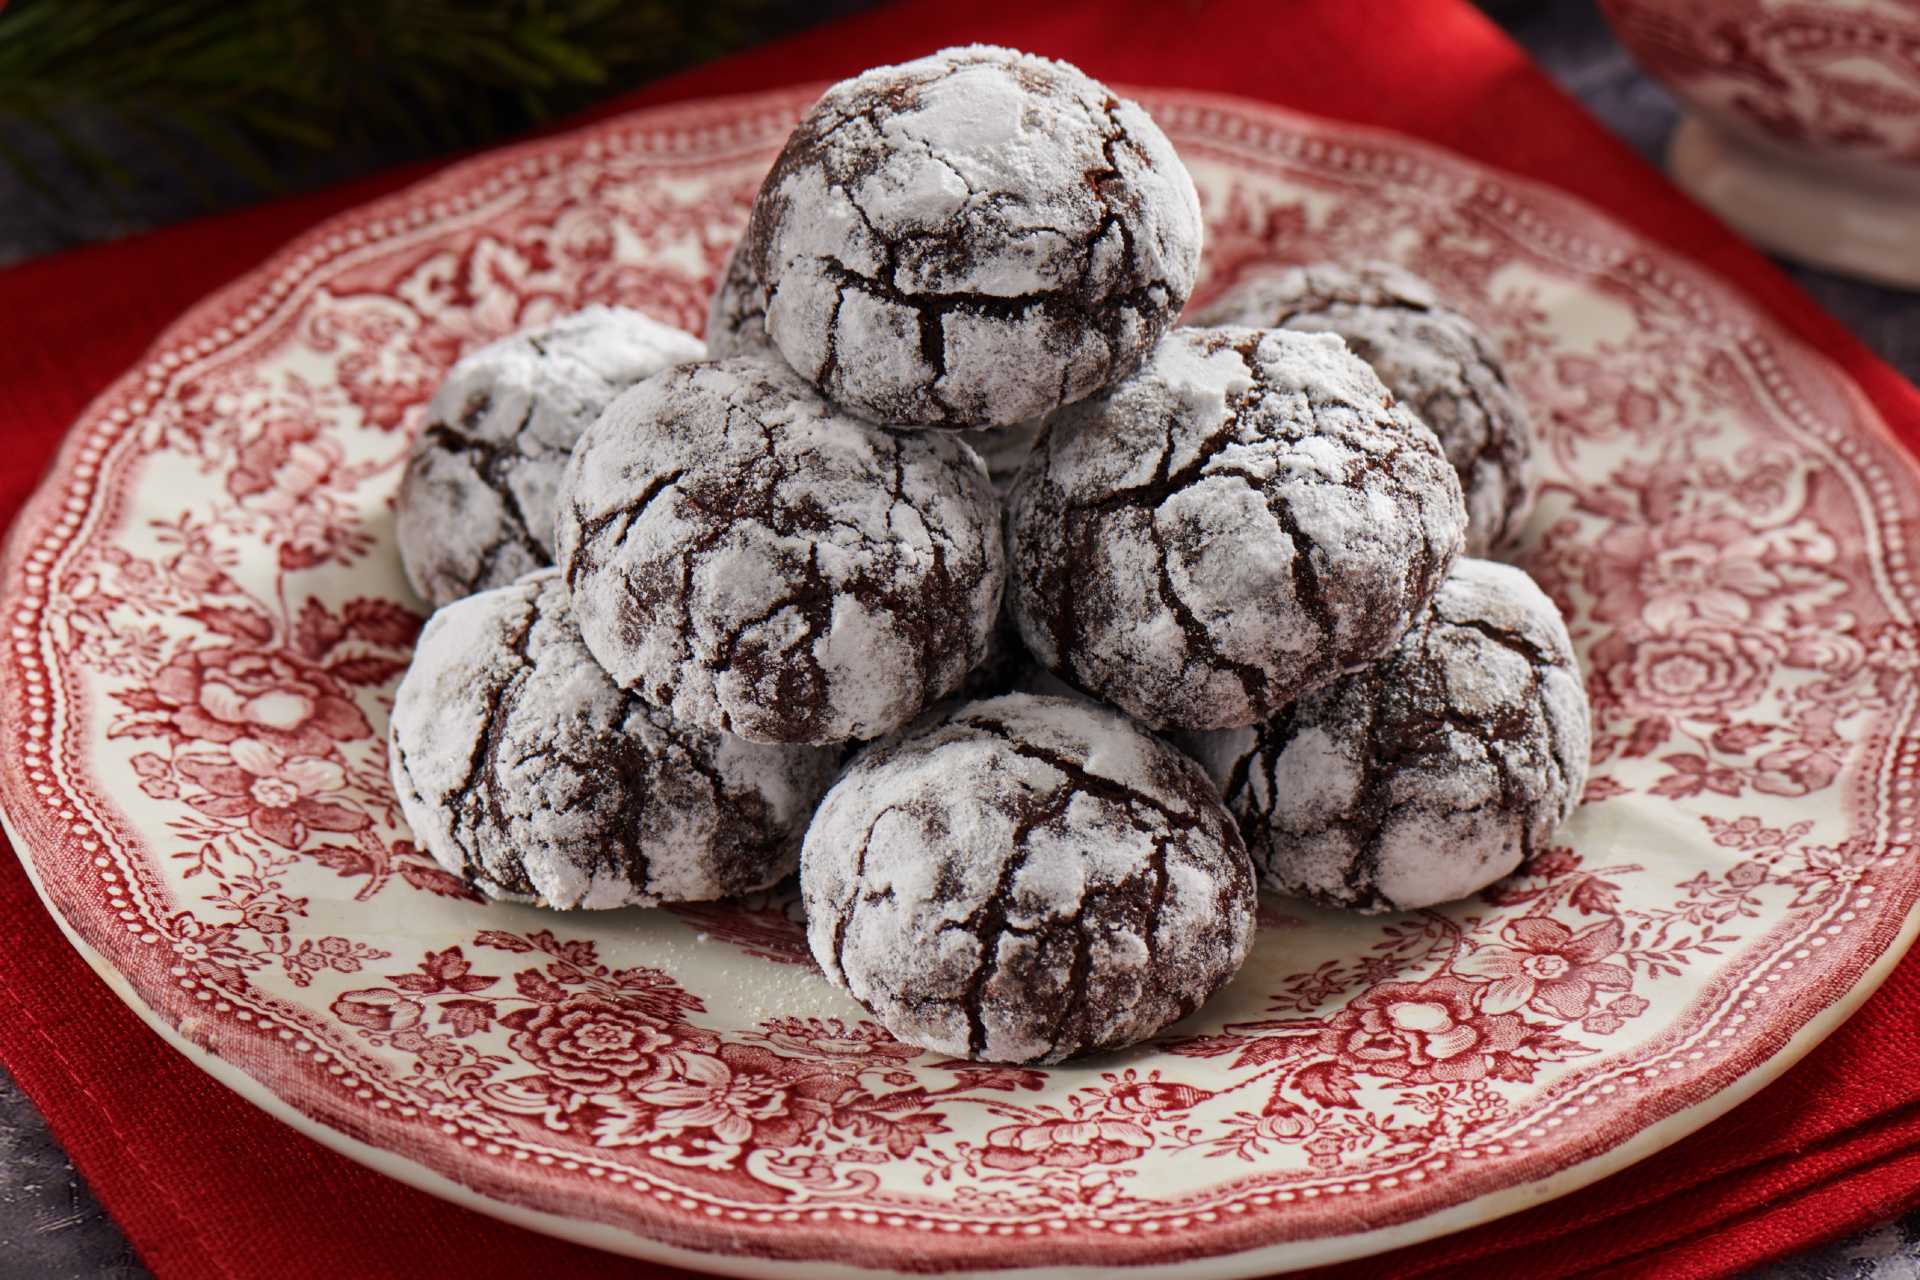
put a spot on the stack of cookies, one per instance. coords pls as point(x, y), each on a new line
point(1039, 632)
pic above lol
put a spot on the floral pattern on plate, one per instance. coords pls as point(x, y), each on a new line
point(208, 621)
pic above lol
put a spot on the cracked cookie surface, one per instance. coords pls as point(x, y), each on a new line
point(1429, 775)
point(1435, 361)
point(477, 497)
point(972, 239)
point(1026, 879)
point(1239, 522)
point(750, 559)
point(523, 770)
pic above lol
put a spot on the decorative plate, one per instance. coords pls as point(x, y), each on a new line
point(207, 622)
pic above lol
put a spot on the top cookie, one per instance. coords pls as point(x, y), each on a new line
point(1239, 522)
point(1435, 360)
point(972, 239)
point(476, 500)
point(753, 561)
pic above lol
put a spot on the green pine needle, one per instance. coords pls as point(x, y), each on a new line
point(248, 79)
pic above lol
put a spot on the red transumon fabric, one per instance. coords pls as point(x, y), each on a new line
point(205, 1185)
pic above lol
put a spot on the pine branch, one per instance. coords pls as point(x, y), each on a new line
point(254, 80)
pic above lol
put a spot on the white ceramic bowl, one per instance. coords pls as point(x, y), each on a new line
point(1804, 124)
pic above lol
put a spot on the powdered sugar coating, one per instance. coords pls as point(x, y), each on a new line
point(1024, 880)
point(477, 498)
point(1005, 450)
point(752, 560)
point(737, 314)
point(522, 769)
point(1236, 524)
point(1435, 360)
point(972, 239)
point(1432, 773)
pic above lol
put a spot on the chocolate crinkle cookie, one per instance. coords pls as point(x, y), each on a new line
point(476, 499)
point(1430, 774)
point(523, 770)
point(1025, 880)
point(752, 560)
point(1238, 523)
point(737, 313)
point(1435, 360)
point(972, 239)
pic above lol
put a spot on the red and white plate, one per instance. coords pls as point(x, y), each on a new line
point(207, 621)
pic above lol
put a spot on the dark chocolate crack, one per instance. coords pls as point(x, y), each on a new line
point(836, 510)
point(1070, 539)
point(1121, 303)
point(1044, 971)
point(1402, 723)
point(569, 786)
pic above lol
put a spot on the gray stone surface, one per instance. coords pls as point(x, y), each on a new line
point(50, 1225)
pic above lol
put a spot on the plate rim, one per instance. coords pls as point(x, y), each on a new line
point(1324, 1250)
point(219, 307)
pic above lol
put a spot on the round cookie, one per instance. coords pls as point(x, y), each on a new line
point(1432, 773)
point(1025, 880)
point(752, 560)
point(737, 315)
point(1239, 522)
point(476, 498)
point(1434, 360)
point(972, 239)
point(524, 771)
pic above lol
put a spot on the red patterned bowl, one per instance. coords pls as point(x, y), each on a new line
point(1805, 131)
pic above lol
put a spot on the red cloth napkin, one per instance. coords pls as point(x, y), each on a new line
point(205, 1185)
